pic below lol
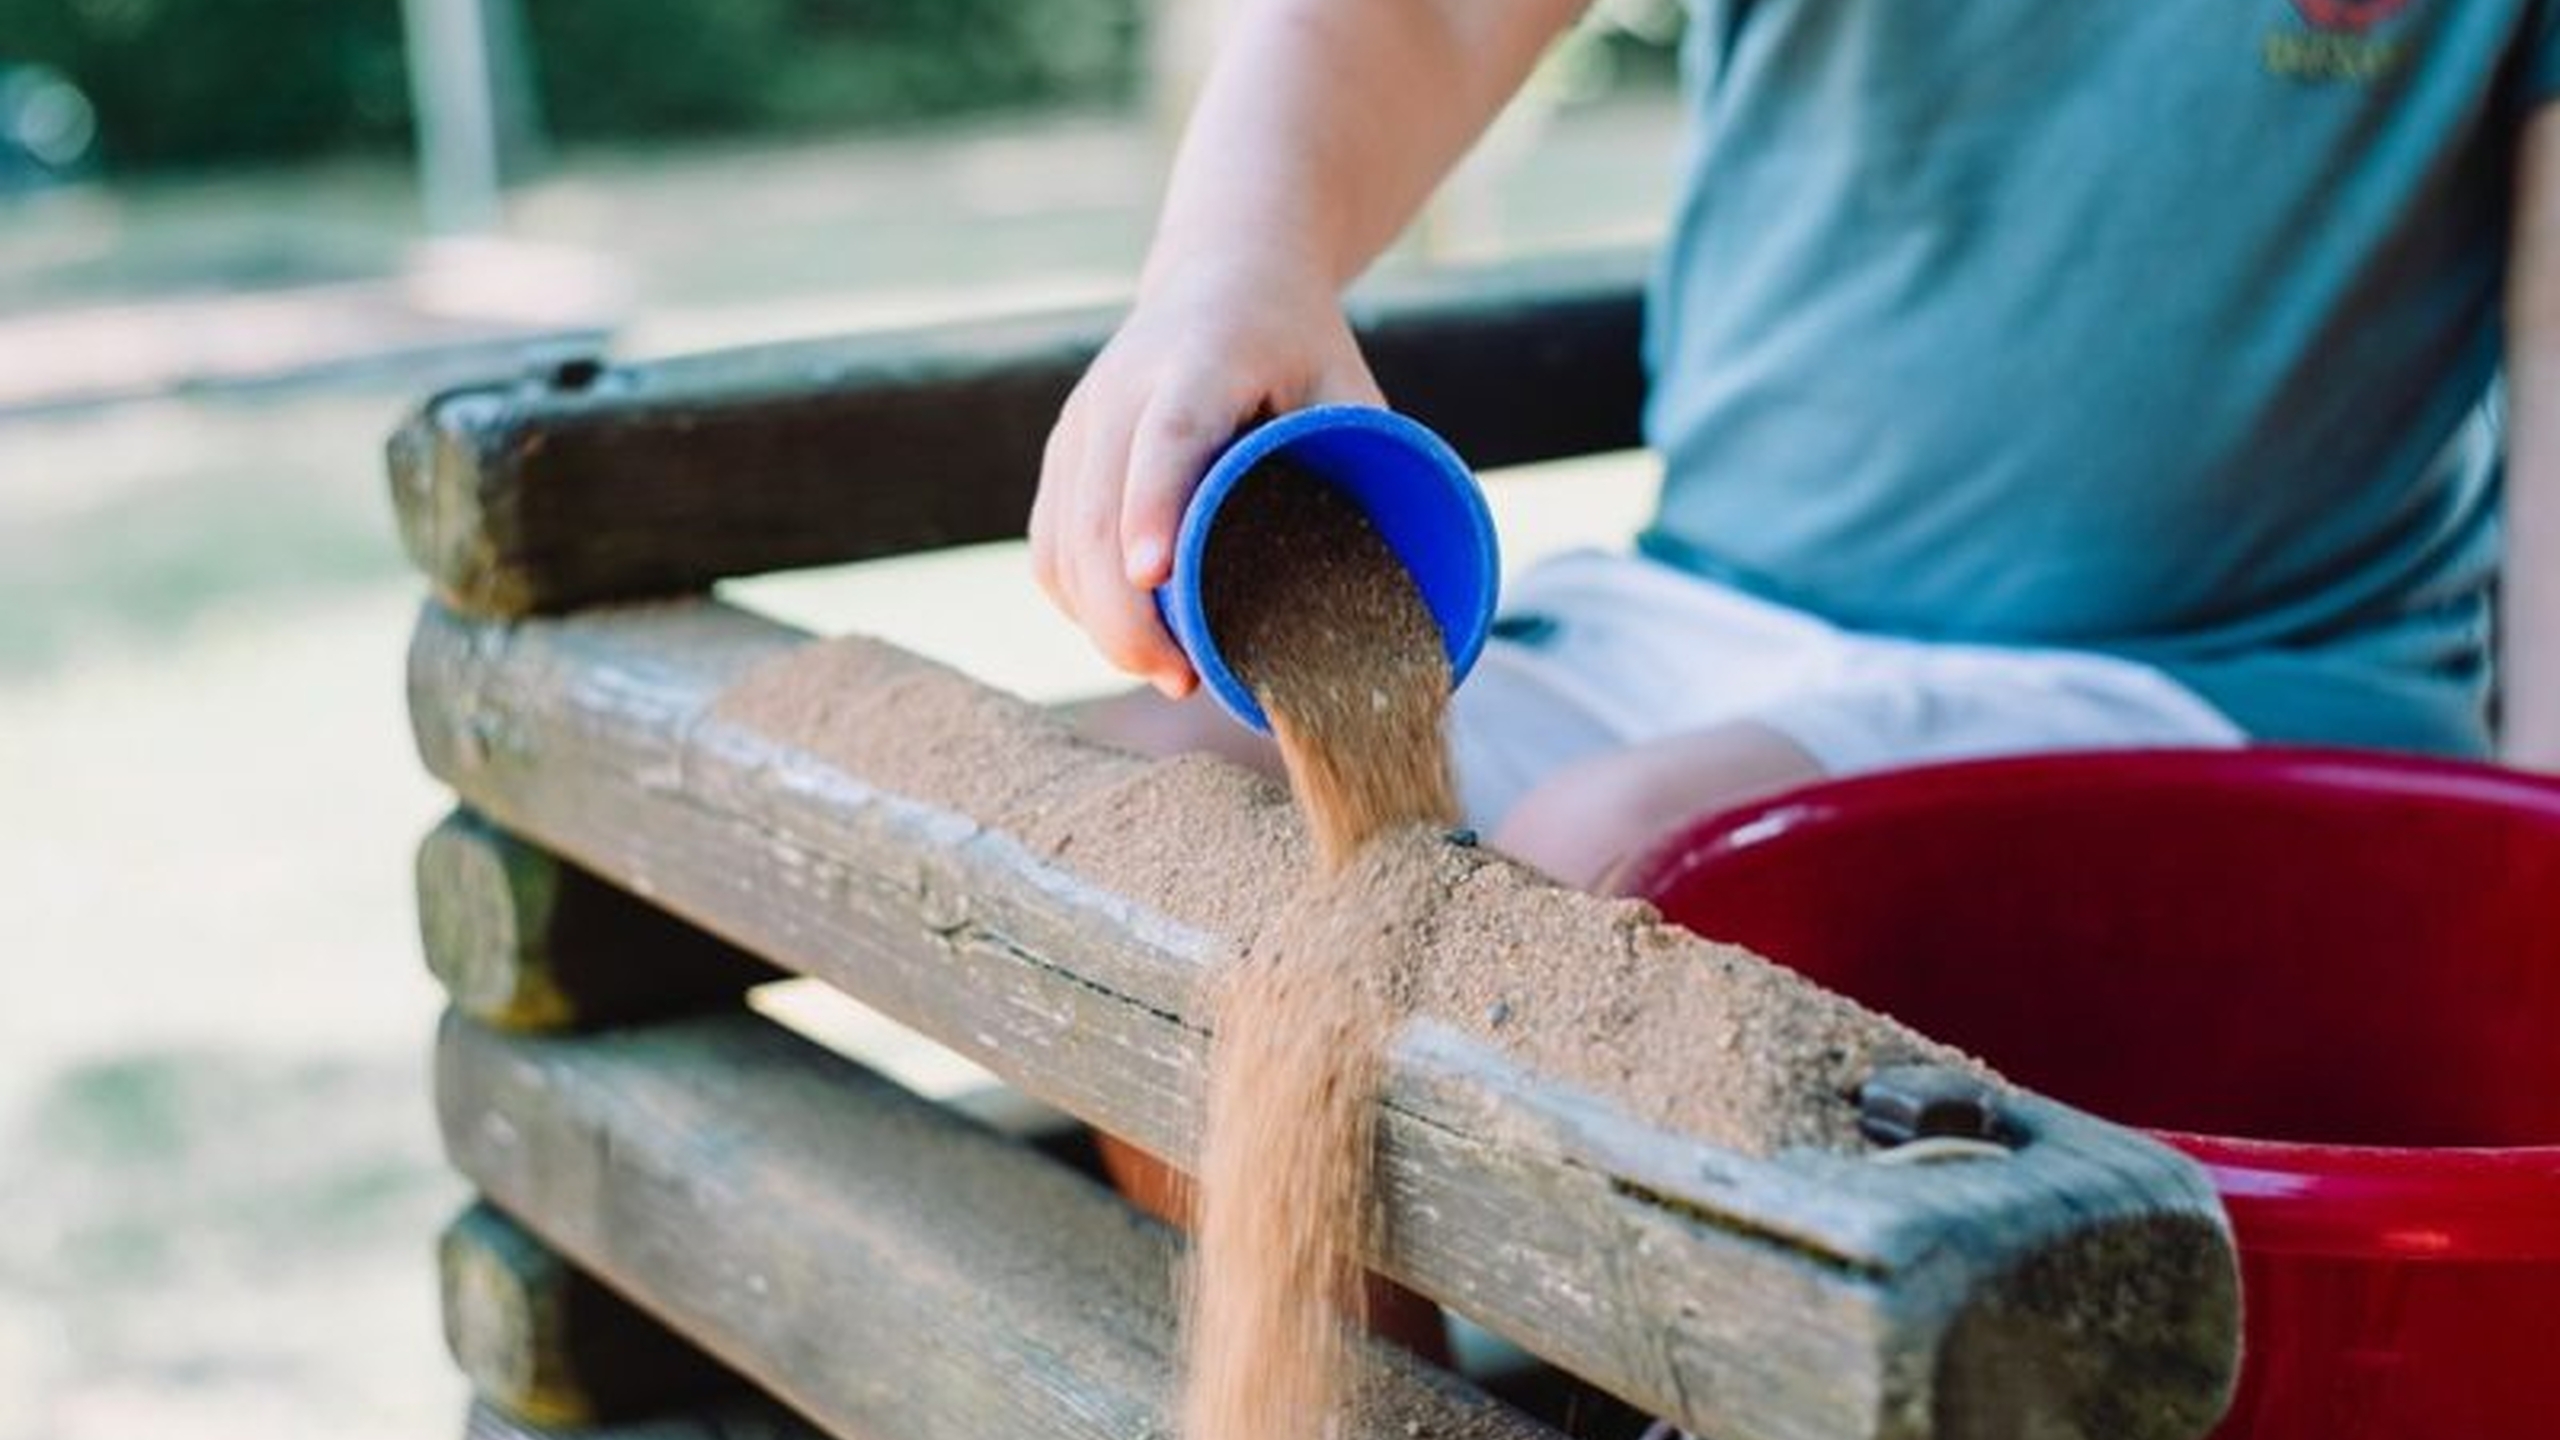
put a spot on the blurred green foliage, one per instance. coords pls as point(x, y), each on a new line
point(181, 83)
point(693, 67)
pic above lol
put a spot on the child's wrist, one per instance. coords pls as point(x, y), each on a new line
point(1259, 270)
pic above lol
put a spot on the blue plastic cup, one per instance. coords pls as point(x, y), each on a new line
point(1418, 495)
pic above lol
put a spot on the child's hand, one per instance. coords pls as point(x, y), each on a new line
point(1321, 130)
point(1207, 351)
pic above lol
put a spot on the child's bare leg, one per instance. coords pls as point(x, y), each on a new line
point(1582, 823)
point(1146, 722)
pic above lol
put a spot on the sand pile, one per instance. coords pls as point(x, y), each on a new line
point(1690, 1035)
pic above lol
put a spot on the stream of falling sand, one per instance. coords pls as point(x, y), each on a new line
point(1316, 615)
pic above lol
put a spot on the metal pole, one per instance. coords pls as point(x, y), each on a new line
point(454, 99)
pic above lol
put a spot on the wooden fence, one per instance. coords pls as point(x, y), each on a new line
point(691, 1214)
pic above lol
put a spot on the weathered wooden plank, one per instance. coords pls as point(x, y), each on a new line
point(544, 1342)
point(750, 1417)
point(585, 483)
point(878, 1262)
point(2081, 1286)
point(524, 940)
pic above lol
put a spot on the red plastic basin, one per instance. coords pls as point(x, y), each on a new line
point(2332, 977)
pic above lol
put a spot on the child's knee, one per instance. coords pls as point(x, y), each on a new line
point(1578, 822)
point(1582, 822)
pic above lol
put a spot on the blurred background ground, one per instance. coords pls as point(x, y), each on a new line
point(221, 1178)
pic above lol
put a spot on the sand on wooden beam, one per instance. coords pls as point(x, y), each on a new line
point(1632, 1151)
point(523, 940)
point(878, 1262)
point(545, 1343)
point(582, 482)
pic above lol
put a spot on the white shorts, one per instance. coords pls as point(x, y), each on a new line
point(1597, 651)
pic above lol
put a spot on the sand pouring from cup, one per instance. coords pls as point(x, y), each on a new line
point(1418, 495)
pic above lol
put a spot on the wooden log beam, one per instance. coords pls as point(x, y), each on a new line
point(746, 1418)
point(547, 1344)
point(959, 861)
point(583, 483)
point(883, 1265)
point(524, 940)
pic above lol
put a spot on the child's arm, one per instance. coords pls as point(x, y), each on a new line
point(1322, 129)
point(2530, 670)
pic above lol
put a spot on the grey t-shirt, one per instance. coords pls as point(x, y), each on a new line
point(2165, 328)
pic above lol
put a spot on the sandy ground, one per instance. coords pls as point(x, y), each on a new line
point(223, 1175)
point(221, 1180)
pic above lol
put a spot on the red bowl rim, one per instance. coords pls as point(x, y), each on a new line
point(2406, 1202)
point(2450, 1203)
point(2260, 768)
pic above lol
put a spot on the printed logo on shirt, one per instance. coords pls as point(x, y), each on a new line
point(2357, 15)
point(2338, 41)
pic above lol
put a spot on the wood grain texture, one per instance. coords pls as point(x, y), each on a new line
point(573, 485)
point(542, 1341)
point(750, 1417)
point(1807, 1295)
point(523, 940)
point(881, 1264)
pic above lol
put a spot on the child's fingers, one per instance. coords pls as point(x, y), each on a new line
point(1088, 535)
point(1175, 440)
point(1058, 457)
point(1347, 383)
point(1120, 617)
point(1123, 622)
